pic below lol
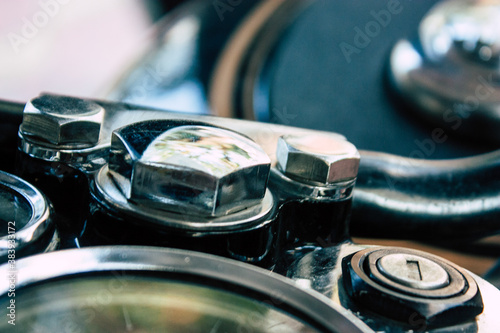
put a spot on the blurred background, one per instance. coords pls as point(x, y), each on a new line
point(72, 47)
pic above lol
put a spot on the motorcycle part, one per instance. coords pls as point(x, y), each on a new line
point(317, 159)
point(413, 271)
point(401, 283)
point(187, 185)
point(247, 228)
point(69, 121)
point(288, 62)
point(324, 270)
point(117, 115)
point(448, 201)
point(450, 73)
point(191, 168)
point(107, 288)
point(27, 220)
point(387, 190)
point(316, 174)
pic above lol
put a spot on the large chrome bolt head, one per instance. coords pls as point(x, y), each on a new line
point(192, 169)
point(317, 158)
point(62, 120)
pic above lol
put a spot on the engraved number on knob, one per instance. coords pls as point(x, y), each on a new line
point(414, 271)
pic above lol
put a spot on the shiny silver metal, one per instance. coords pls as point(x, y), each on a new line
point(108, 193)
point(451, 73)
point(117, 115)
point(388, 182)
point(413, 271)
point(321, 271)
point(62, 120)
point(317, 158)
point(131, 263)
point(191, 169)
point(26, 217)
point(333, 192)
point(471, 28)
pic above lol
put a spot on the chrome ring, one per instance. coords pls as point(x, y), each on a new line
point(39, 223)
point(169, 263)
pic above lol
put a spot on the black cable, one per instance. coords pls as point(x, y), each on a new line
point(11, 109)
point(397, 197)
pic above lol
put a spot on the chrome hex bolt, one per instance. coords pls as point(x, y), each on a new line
point(62, 120)
point(317, 158)
point(192, 169)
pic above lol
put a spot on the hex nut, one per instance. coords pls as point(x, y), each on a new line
point(188, 168)
point(454, 302)
point(317, 158)
point(62, 120)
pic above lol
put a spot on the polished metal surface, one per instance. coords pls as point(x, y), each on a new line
point(135, 303)
point(413, 271)
point(26, 215)
point(189, 169)
point(117, 115)
point(277, 292)
point(112, 196)
point(450, 74)
point(471, 27)
point(62, 120)
point(317, 158)
point(442, 195)
point(320, 270)
point(334, 192)
point(460, 289)
point(394, 194)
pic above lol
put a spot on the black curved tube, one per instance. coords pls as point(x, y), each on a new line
point(445, 200)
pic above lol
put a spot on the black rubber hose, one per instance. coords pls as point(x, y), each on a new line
point(445, 200)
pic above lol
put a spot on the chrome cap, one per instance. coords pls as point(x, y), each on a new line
point(450, 74)
point(413, 271)
point(192, 169)
point(317, 158)
point(63, 120)
point(470, 28)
